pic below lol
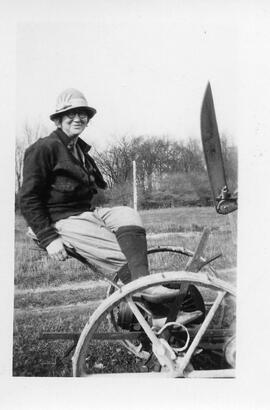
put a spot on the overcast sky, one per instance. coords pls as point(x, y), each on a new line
point(145, 73)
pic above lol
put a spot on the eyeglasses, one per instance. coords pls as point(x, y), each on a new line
point(72, 114)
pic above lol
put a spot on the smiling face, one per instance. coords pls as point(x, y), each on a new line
point(74, 122)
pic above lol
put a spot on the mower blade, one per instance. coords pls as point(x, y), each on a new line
point(211, 146)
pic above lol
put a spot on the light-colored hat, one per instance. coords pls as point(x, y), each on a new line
point(70, 99)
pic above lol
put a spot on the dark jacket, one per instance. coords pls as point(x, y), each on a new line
point(55, 184)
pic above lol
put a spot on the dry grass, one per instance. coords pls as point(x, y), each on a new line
point(185, 219)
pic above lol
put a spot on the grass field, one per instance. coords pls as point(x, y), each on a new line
point(51, 296)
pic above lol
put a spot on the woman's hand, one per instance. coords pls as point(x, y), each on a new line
point(56, 250)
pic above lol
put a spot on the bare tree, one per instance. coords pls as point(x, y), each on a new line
point(19, 154)
point(29, 134)
point(152, 159)
point(115, 162)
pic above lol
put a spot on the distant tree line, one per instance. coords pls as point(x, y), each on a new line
point(170, 172)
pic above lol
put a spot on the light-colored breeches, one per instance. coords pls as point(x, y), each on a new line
point(92, 235)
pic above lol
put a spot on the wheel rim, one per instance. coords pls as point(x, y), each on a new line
point(92, 328)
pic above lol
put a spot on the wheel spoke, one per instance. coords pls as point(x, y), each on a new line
point(185, 361)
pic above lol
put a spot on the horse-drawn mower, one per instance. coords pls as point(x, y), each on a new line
point(190, 335)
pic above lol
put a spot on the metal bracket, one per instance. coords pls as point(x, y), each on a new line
point(194, 265)
point(225, 202)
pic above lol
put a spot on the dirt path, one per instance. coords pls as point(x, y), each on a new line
point(89, 284)
point(60, 308)
point(188, 234)
point(169, 234)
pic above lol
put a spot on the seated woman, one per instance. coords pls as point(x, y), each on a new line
point(60, 179)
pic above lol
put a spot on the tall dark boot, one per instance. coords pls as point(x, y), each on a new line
point(124, 274)
point(132, 241)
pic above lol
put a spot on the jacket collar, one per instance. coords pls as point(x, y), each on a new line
point(66, 141)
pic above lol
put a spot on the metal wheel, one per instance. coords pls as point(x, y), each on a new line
point(165, 258)
point(177, 349)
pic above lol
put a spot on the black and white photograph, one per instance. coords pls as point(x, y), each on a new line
point(129, 198)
